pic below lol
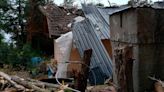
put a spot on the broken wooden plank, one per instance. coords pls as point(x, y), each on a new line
point(81, 77)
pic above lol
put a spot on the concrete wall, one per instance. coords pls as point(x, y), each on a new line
point(127, 31)
point(150, 28)
point(146, 27)
point(141, 28)
point(123, 35)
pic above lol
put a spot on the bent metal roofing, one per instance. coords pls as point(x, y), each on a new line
point(88, 33)
point(86, 38)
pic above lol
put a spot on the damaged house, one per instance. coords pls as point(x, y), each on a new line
point(93, 33)
point(137, 41)
point(126, 47)
point(52, 22)
point(59, 21)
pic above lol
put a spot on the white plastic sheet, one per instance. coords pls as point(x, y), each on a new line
point(62, 53)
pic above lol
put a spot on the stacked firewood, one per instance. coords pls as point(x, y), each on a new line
point(17, 84)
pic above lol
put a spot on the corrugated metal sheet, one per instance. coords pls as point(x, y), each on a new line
point(88, 35)
point(86, 38)
point(106, 11)
point(100, 17)
point(92, 13)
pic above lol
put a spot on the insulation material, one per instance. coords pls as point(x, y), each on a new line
point(62, 53)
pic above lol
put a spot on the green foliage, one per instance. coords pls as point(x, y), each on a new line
point(3, 53)
point(1, 38)
point(14, 15)
point(67, 90)
point(18, 58)
point(13, 20)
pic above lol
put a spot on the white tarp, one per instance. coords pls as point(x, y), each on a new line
point(78, 19)
point(62, 53)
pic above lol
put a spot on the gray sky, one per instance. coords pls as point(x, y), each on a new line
point(105, 2)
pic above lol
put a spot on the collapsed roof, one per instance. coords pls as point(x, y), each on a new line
point(89, 33)
point(58, 18)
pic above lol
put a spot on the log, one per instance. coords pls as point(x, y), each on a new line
point(8, 78)
point(28, 85)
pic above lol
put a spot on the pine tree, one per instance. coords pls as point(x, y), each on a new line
point(13, 19)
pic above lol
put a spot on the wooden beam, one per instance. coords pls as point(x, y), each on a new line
point(81, 77)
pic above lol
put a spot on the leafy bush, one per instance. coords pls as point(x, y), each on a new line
point(17, 57)
point(1, 38)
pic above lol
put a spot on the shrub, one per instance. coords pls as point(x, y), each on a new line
point(17, 58)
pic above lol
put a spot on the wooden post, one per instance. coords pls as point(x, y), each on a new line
point(81, 77)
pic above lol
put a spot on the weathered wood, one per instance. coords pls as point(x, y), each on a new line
point(158, 87)
point(129, 68)
point(124, 68)
point(81, 77)
point(28, 85)
point(8, 78)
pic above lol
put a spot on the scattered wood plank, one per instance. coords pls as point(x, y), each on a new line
point(82, 76)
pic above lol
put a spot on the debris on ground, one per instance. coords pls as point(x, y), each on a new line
point(101, 88)
point(14, 84)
